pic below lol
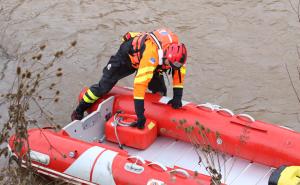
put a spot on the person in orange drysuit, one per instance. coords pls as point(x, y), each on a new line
point(149, 54)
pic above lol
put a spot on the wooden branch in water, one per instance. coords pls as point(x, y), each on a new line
point(292, 83)
point(298, 52)
point(298, 13)
point(294, 9)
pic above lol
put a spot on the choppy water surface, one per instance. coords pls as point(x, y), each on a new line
point(238, 50)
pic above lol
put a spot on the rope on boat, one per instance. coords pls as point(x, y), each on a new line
point(226, 112)
point(246, 116)
point(180, 171)
point(158, 164)
point(118, 121)
point(137, 158)
point(135, 167)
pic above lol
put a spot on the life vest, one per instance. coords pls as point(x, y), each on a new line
point(161, 37)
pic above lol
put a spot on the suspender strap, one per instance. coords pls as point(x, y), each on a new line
point(160, 49)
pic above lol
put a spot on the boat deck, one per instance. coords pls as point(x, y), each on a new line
point(235, 171)
point(170, 152)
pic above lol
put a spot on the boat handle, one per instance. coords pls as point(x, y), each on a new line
point(138, 158)
point(287, 128)
point(180, 171)
point(206, 106)
point(226, 111)
point(250, 118)
point(158, 164)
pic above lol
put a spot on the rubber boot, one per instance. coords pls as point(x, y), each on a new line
point(78, 113)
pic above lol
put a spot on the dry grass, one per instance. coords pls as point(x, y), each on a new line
point(34, 88)
point(202, 139)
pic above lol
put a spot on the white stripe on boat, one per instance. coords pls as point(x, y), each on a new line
point(102, 173)
point(82, 166)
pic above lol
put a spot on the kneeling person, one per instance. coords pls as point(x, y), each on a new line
point(150, 54)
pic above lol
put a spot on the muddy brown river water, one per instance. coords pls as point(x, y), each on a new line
point(238, 50)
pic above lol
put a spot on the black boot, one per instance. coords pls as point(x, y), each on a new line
point(78, 113)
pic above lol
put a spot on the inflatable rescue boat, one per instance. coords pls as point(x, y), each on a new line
point(172, 148)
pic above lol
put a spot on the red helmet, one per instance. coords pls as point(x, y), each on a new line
point(176, 55)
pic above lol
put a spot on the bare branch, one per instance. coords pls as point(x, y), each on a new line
point(295, 91)
point(33, 77)
point(297, 11)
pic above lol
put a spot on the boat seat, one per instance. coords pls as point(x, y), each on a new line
point(91, 127)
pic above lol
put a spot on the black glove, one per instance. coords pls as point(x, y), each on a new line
point(176, 101)
point(140, 123)
point(139, 110)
